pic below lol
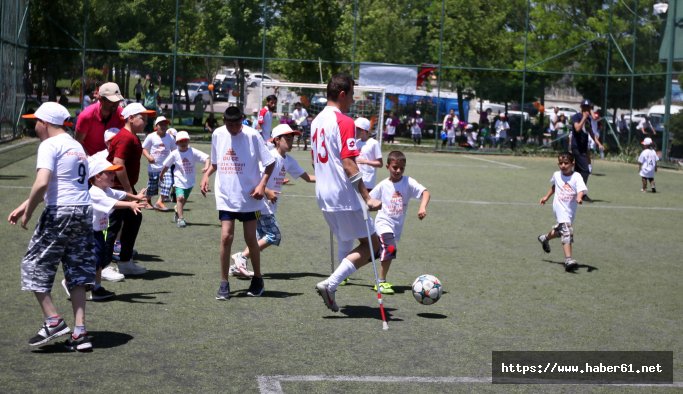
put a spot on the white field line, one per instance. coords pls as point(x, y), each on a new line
point(272, 384)
point(494, 162)
point(473, 202)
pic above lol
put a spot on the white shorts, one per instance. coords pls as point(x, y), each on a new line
point(348, 225)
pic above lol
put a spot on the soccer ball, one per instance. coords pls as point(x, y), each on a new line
point(427, 289)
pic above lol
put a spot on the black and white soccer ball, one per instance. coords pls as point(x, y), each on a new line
point(427, 289)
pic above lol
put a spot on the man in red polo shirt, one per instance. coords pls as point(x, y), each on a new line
point(98, 117)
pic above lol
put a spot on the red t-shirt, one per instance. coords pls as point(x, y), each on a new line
point(127, 147)
point(91, 124)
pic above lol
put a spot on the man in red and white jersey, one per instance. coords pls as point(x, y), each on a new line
point(265, 117)
point(338, 180)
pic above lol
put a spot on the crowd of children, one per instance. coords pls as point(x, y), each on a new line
point(91, 201)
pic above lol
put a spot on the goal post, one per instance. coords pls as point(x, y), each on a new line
point(368, 100)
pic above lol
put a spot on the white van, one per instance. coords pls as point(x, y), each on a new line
point(656, 115)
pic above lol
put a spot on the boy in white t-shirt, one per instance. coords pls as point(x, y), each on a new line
point(64, 231)
point(267, 229)
point(156, 148)
point(648, 165)
point(370, 157)
point(395, 192)
point(569, 189)
point(184, 159)
point(104, 201)
point(237, 151)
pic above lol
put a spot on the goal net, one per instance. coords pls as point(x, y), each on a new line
point(368, 101)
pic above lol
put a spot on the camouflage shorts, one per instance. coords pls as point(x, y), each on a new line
point(63, 234)
point(566, 232)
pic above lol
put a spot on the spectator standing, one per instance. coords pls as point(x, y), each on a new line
point(104, 114)
point(581, 132)
point(265, 117)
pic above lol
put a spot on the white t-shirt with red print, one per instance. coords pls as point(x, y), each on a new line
point(283, 165)
point(237, 161)
point(185, 163)
point(103, 202)
point(395, 197)
point(567, 187)
point(333, 138)
point(159, 148)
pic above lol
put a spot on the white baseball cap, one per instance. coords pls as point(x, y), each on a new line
point(134, 109)
point(173, 132)
point(182, 135)
point(110, 133)
point(110, 91)
point(647, 141)
point(97, 165)
point(160, 119)
point(417, 111)
point(51, 112)
point(281, 130)
point(362, 123)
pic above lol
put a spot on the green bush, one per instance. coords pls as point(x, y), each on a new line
point(676, 128)
point(92, 76)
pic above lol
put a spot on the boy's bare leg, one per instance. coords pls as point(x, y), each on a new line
point(384, 269)
point(45, 301)
point(360, 256)
point(252, 246)
point(262, 244)
point(180, 205)
point(78, 304)
point(227, 236)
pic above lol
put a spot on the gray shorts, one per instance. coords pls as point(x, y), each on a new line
point(566, 232)
point(63, 235)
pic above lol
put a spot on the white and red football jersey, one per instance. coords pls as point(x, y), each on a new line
point(333, 138)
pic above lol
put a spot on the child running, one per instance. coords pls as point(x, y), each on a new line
point(648, 165)
point(267, 229)
point(63, 233)
point(156, 148)
point(184, 159)
point(569, 189)
point(395, 192)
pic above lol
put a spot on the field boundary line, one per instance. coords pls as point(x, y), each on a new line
point(271, 384)
point(495, 162)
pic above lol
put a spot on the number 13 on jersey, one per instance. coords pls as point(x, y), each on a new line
point(319, 146)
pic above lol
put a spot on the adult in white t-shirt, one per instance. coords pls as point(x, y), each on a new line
point(370, 157)
point(339, 183)
point(236, 152)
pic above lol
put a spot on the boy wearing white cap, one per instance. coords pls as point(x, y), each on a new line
point(184, 159)
point(64, 232)
point(648, 165)
point(370, 157)
point(267, 229)
point(156, 148)
point(104, 201)
point(125, 149)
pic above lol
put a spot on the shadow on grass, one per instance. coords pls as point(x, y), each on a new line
point(292, 275)
point(137, 298)
point(100, 340)
point(11, 177)
point(147, 257)
point(157, 274)
point(363, 312)
point(371, 286)
point(589, 268)
point(432, 315)
point(267, 294)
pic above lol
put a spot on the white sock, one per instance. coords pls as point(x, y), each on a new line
point(345, 269)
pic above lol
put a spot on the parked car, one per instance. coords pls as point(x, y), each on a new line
point(567, 111)
point(196, 91)
point(222, 89)
point(637, 117)
point(656, 114)
point(256, 78)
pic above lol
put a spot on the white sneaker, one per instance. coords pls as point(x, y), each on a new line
point(327, 296)
point(111, 274)
point(239, 266)
point(131, 268)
